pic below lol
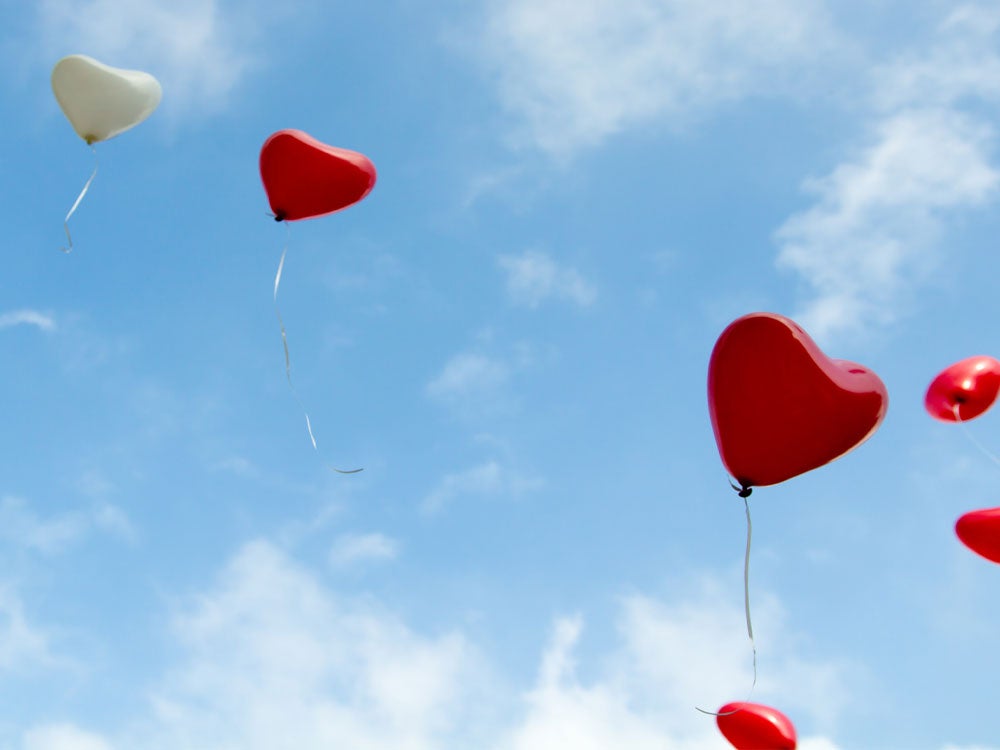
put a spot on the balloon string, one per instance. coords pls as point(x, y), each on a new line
point(288, 359)
point(746, 593)
point(972, 438)
point(76, 203)
point(744, 493)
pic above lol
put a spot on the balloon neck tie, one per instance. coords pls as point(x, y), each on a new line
point(279, 217)
point(968, 433)
point(288, 359)
point(69, 239)
point(744, 492)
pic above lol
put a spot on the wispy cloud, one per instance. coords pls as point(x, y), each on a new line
point(200, 50)
point(351, 549)
point(26, 317)
point(468, 375)
point(533, 278)
point(962, 62)
point(874, 232)
point(23, 645)
point(488, 479)
point(22, 526)
point(62, 737)
point(574, 72)
point(484, 479)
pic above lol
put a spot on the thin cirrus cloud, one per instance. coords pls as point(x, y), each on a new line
point(487, 479)
point(272, 657)
point(469, 378)
point(354, 549)
point(574, 72)
point(27, 317)
point(22, 526)
point(534, 277)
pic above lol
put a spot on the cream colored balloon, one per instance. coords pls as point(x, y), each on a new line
point(100, 101)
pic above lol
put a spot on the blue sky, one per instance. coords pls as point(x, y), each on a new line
point(511, 336)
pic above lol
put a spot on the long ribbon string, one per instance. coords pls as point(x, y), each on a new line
point(76, 203)
point(288, 359)
point(968, 433)
point(746, 593)
point(744, 493)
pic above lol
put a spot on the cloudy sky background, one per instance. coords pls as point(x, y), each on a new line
point(511, 336)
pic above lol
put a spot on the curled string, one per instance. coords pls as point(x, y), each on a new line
point(76, 203)
point(968, 433)
point(288, 359)
point(744, 493)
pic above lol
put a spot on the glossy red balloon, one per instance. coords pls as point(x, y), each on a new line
point(979, 530)
point(780, 407)
point(752, 726)
point(970, 386)
point(304, 178)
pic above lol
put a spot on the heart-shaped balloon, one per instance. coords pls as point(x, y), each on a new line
point(979, 530)
point(100, 101)
point(752, 726)
point(964, 390)
point(304, 178)
point(780, 407)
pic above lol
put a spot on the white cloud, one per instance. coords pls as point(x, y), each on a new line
point(564, 714)
point(485, 479)
point(962, 63)
point(350, 549)
point(574, 72)
point(873, 232)
point(198, 49)
point(113, 520)
point(274, 659)
point(23, 646)
point(533, 277)
point(22, 526)
point(468, 375)
point(277, 661)
point(668, 659)
point(40, 320)
point(62, 737)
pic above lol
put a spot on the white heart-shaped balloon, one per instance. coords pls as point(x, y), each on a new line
point(100, 101)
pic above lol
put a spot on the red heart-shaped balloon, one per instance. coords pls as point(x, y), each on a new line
point(304, 178)
point(780, 407)
point(752, 726)
point(968, 387)
point(979, 530)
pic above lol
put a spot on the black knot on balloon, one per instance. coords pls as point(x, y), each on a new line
point(743, 490)
point(279, 216)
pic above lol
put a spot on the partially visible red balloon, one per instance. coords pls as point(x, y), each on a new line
point(969, 386)
point(780, 407)
point(304, 178)
point(979, 530)
point(752, 726)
